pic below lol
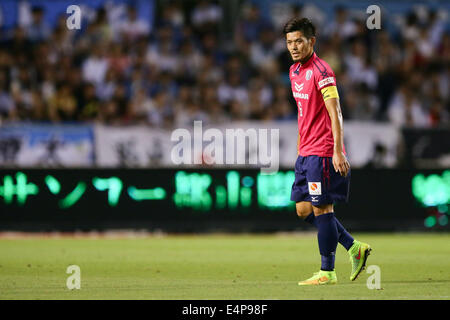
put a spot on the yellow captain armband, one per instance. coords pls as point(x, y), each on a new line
point(330, 92)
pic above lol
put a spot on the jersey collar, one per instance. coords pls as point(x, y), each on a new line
point(309, 61)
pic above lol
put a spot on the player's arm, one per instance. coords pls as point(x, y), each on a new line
point(331, 98)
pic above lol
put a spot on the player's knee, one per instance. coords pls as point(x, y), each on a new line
point(323, 209)
point(303, 210)
point(303, 214)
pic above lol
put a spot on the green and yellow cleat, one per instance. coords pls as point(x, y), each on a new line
point(358, 257)
point(319, 278)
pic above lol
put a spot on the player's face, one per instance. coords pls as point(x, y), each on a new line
point(299, 46)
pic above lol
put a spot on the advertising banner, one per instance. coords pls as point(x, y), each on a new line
point(198, 200)
point(25, 145)
point(135, 146)
point(237, 144)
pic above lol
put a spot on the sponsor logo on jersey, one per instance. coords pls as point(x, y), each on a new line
point(298, 87)
point(315, 188)
point(308, 74)
point(301, 95)
point(326, 81)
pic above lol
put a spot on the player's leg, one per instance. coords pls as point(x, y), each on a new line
point(358, 251)
point(308, 171)
point(305, 211)
point(337, 190)
point(358, 256)
point(327, 235)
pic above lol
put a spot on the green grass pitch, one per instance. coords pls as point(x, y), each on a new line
point(413, 266)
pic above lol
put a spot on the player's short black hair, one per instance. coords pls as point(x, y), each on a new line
point(304, 25)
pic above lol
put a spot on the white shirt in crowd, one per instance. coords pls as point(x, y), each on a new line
point(94, 69)
point(402, 113)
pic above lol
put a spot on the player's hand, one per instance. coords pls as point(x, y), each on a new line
point(340, 163)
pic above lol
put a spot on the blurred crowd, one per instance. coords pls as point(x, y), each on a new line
point(183, 67)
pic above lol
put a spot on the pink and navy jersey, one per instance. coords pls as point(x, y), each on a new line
point(308, 82)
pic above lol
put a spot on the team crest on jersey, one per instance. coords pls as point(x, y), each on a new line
point(298, 87)
point(308, 74)
point(315, 188)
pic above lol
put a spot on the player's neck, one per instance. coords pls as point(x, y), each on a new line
point(303, 61)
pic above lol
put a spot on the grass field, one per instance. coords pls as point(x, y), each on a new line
point(413, 266)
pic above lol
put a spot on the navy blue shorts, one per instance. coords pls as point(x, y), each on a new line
point(318, 183)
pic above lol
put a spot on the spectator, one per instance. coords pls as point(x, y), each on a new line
point(133, 27)
point(105, 89)
point(210, 103)
point(238, 111)
point(162, 55)
point(143, 72)
point(19, 45)
point(141, 105)
point(63, 106)
point(172, 16)
point(119, 61)
point(285, 109)
point(7, 104)
point(192, 112)
point(95, 67)
point(360, 68)
point(232, 91)
point(88, 103)
point(38, 30)
point(121, 100)
point(411, 30)
point(160, 113)
point(439, 116)
point(342, 26)
point(107, 113)
point(209, 71)
point(40, 111)
point(250, 25)
point(102, 27)
point(362, 105)
point(262, 52)
point(206, 16)
point(190, 61)
point(405, 109)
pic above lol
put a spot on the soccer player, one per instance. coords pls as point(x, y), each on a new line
point(322, 171)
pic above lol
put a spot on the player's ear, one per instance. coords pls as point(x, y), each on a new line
point(313, 40)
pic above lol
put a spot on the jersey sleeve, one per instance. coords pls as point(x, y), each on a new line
point(325, 80)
